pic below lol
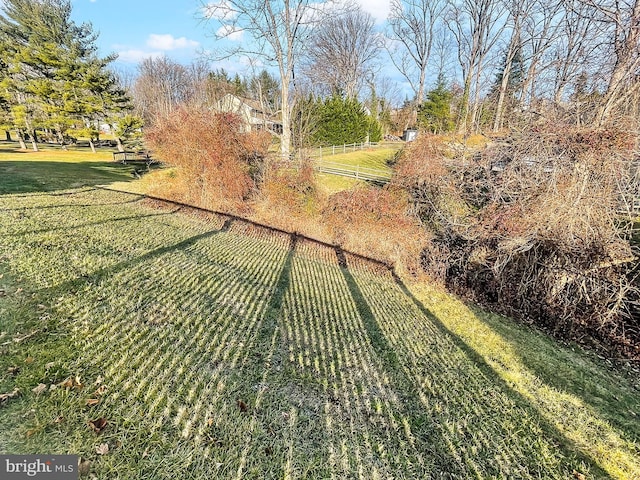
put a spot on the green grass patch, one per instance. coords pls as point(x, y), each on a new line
point(375, 158)
point(369, 157)
point(51, 168)
point(216, 349)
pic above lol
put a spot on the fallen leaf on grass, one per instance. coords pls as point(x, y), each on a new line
point(28, 360)
point(101, 390)
point(13, 370)
point(578, 475)
point(92, 402)
point(7, 396)
point(49, 365)
point(99, 380)
point(98, 425)
point(84, 467)
point(72, 382)
point(41, 388)
point(102, 449)
point(59, 419)
point(243, 406)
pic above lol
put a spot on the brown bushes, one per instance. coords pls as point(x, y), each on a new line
point(218, 166)
point(377, 222)
point(289, 198)
point(531, 226)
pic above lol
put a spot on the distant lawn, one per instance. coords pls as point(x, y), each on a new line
point(375, 158)
point(207, 347)
point(52, 168)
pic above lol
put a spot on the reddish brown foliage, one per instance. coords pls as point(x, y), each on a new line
point(375, 221)
point(531, 226)
point(216, 162)
point(289, 198)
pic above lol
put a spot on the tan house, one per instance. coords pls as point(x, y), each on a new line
point(254, 116)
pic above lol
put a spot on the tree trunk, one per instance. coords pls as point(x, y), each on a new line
point(91, 144)
point(23, 145)
point(34, 139)
point(285, 138)
point(506, 74)
point(463, 119)
point(8, 134)
point(627, 60)
point(119, 143)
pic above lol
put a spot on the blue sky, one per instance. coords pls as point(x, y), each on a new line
point(136, 29)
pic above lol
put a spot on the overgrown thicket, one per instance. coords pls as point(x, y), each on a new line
point(532, 225)
point(218, 167)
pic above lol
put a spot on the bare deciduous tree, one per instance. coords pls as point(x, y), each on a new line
point(162, 84)
point(279, 30)
point(342, 52)
point(476, 26)
point(413, 24)
point(622, 21)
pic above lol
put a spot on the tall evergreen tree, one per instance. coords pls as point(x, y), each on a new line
point(343, 120)
point(54, 78)
point(435, 114)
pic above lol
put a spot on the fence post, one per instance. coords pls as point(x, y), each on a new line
point(344, 148)
point(333, 149)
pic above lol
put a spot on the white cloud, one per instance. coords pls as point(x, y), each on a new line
point(230, 33)
point(136, 56)
point(169, 42)
point(220, 10)
point(378, 9)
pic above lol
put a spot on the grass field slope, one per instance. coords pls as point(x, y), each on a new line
point(161, 342)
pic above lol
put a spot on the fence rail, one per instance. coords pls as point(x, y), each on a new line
point(357, 172)
point(124, 157)
point(321, 152)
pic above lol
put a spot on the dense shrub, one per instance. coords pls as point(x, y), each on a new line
point(377, 222)
point(218, 166)
point(289, 197)
point(531, 226)
point(342, 120)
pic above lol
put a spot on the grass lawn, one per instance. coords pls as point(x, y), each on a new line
point(375, 158)
point(196, 346)
point(52, 168)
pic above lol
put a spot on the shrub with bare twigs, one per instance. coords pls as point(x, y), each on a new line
point(218, 166)
point(377, 222)
point(532, 226)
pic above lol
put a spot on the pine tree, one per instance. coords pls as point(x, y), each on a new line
point(340, 121)
point(434, 114)
point(54, 78)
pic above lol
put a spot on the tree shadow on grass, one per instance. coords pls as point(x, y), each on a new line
point(557, 368)
point(68, 205)
point(471, 406)
point(45, 176)
point(90, 224)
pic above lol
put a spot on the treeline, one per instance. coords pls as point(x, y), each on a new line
point(53, 84)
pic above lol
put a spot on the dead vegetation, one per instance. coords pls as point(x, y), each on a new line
point(532, 226)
